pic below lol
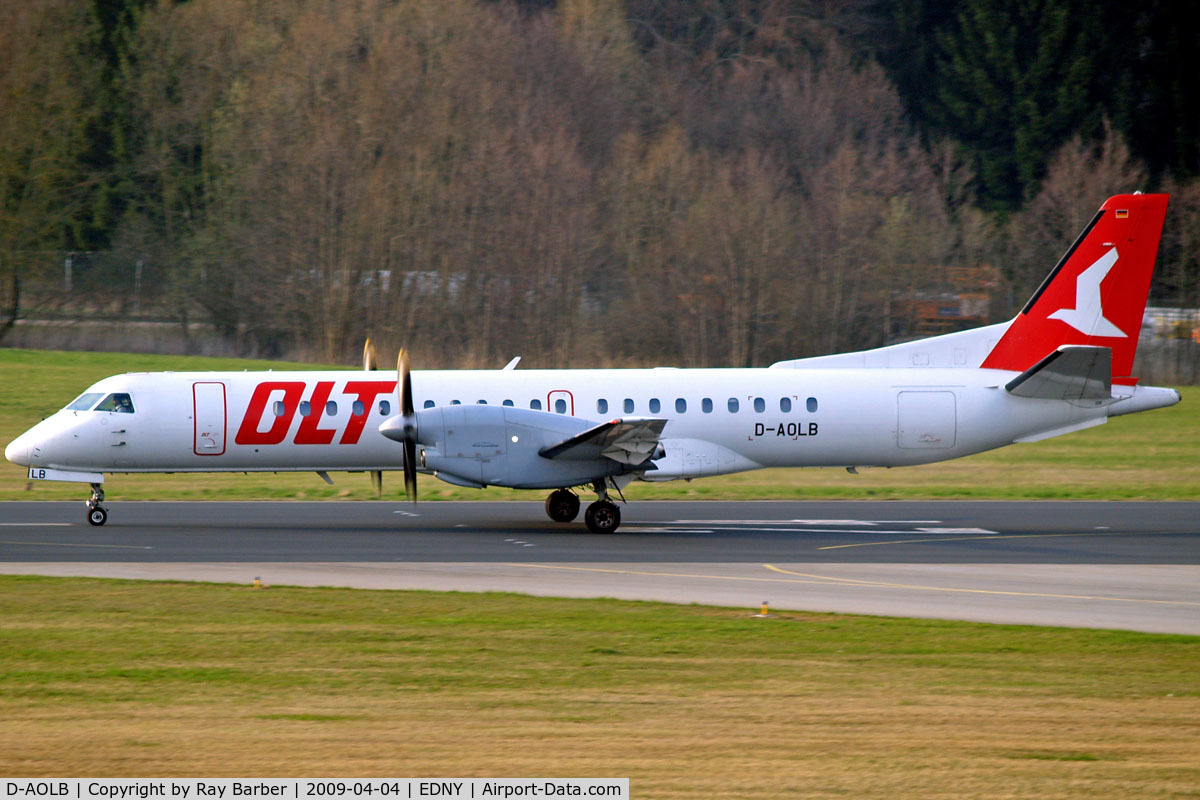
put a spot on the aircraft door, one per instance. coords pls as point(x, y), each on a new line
point(208, 400)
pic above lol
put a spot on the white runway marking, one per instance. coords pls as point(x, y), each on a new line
point(631, 529)
point(984, 531)
point(844, 527)
point(36, 524)
point(842, 522)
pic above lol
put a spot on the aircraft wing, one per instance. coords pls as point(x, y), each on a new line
point(632, 440)
point(1072, 372)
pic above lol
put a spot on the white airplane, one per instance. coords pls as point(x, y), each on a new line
point(1062, 365)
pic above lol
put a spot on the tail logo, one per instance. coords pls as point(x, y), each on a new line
point(1087, 316)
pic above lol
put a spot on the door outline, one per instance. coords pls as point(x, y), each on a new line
point(208, 407)
point(551, 397)
point(926, 419)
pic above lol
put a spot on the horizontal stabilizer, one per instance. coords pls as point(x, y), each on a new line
point(1072, 373)
point(626, 441)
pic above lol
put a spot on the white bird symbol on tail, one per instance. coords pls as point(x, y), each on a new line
point(1088, 315)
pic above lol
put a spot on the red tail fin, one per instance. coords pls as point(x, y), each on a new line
point(1096, 294)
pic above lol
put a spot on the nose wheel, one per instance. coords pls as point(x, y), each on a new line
point(96, 513)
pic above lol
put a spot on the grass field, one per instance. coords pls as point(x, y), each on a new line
point(1143, 456)
point(111, 678)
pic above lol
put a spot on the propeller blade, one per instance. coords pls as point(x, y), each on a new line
point(404, 383)
point(410, 470)
point(404, 390)
point(369, 364)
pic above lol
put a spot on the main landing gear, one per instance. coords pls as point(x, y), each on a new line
point(602, 516)
point(97, 514)
point(562, 505)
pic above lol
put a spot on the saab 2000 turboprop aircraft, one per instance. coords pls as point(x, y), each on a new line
point(1062, 365)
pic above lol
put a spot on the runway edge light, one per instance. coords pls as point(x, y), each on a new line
point(766, 610)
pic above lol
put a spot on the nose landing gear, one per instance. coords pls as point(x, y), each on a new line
point(96, 514)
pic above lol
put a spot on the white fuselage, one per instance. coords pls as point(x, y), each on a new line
point(718, 420)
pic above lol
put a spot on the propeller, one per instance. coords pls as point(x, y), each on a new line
point(369, 356)
point(370, 364)
point(404, 389)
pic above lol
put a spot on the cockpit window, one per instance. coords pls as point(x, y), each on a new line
point(85, 402)
point(118, 401)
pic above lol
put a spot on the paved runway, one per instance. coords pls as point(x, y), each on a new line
point(1114, 565)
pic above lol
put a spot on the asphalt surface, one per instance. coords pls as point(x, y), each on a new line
point(1113, 565)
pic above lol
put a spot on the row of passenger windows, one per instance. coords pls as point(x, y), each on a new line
point(706, 405)
point(560, 406)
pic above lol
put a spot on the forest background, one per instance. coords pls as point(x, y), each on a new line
point(581, 182)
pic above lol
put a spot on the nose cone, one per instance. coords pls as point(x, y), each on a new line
point(395, 428)
point(19, 450)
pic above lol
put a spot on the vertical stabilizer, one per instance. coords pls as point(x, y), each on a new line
point(1096, 294)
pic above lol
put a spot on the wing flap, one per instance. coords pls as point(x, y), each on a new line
point(1072, 372)
point(632, 440)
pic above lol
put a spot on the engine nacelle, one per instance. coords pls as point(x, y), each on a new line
point(484, 445)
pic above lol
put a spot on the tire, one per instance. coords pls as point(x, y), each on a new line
point(602, 516)
point(562, 506)
point(97, 516)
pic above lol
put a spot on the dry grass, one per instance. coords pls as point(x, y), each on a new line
point(109, 678)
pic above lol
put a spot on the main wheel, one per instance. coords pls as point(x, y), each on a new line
point(97, 516)
point(602, 516)
point(562, 505)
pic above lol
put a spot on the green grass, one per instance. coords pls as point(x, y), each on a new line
point(117, 678)
point(1149, 456)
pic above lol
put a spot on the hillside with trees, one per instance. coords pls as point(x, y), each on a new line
point(581, 182)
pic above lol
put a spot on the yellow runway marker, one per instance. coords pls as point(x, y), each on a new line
point(749, 578)
point(885, 584)
point(826, 580)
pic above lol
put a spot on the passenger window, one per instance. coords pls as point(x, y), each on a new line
point(628, 406)
point(733, 405)
point(560, 406)
point(507, 403)
point(654, 405)
point(760, 405)
point(680, 406)
point(118, 402)
point(602, 406)
point(535, 404)
point(85, 402)
point(278, 409)
point(456, 402)
point(428, 404)
point(305, 408)
point(811, 404)
point(785, 404)
point(706, 405)
point(331, 409)
point(358, 409)
point(481, 402)
point(385, 408)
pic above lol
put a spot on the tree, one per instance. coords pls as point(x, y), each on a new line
point(45, 84)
